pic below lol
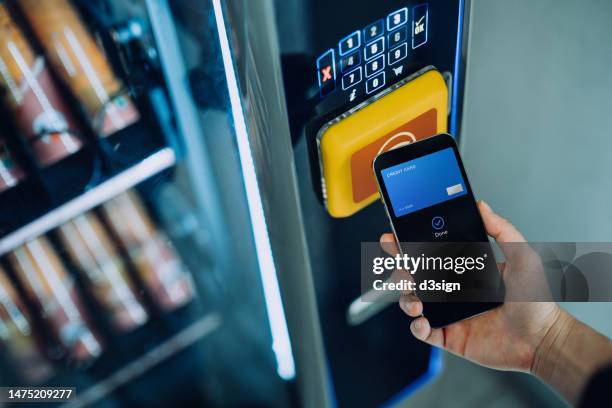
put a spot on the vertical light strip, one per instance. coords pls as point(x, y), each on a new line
point(281, 344)
point(457, 71)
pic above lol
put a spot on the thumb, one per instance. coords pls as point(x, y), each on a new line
point(498, 227)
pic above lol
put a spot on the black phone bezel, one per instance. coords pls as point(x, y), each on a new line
point(439, 314)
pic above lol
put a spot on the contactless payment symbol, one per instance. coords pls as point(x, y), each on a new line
point(363, 183)
point(437, 222)
point(398, 140)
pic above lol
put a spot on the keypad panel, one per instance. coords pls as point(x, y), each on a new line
point(369, 58)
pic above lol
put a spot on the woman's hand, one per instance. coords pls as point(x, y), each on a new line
point(504, 338)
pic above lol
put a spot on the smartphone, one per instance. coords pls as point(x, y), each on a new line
point(428, 198)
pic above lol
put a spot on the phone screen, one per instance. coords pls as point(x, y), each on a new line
point(429, 199)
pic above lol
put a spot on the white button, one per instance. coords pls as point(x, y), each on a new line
point(375, 83)
point(351, 78)
point(397, 18)
point(374, 66)
point(373, 49)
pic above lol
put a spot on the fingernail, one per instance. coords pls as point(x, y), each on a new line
point(386, 238)
point(418, 324)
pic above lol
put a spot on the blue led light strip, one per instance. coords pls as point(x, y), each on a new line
point(281, 345)
point(457, 71)
point(435, 367)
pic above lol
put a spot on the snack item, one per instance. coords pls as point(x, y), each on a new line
point(10, 172)
point(49, 285)
point(16, 336)
point(150, 250)
point(75, 56)
point(90, 247)
point(38, 108)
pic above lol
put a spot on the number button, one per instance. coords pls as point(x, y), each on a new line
point(350, 61)
point(397, 54)
point(397, 18)
point(397, 37)
point(375, 48)
point(350, 42)
point(375, 83)
point(374, 66)
point(373, 31)
point(351, 78)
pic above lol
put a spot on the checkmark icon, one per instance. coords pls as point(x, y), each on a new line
point(437, 222)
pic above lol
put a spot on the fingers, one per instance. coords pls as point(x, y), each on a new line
point(387, 238)
point(411, 305)
point(388, 244)
point(498, 227)
point(400, 275)
point(421, 329)
point(510, 240)
point(501, 267)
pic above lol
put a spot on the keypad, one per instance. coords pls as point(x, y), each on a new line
point(373, 54)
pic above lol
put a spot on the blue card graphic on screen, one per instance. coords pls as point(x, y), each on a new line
point(423, 182)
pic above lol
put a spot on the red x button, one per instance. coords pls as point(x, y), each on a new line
point(326, 72)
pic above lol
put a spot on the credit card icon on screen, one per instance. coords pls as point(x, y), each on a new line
point(456, 189)
point(423, 182)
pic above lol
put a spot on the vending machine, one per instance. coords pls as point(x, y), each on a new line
point(185, 186)
point(335, 83)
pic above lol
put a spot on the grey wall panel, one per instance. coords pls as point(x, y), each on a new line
point(537, 130)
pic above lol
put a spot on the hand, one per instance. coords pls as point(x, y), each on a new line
point(504, 338)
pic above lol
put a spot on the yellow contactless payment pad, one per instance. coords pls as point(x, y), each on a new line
point(412, 109)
